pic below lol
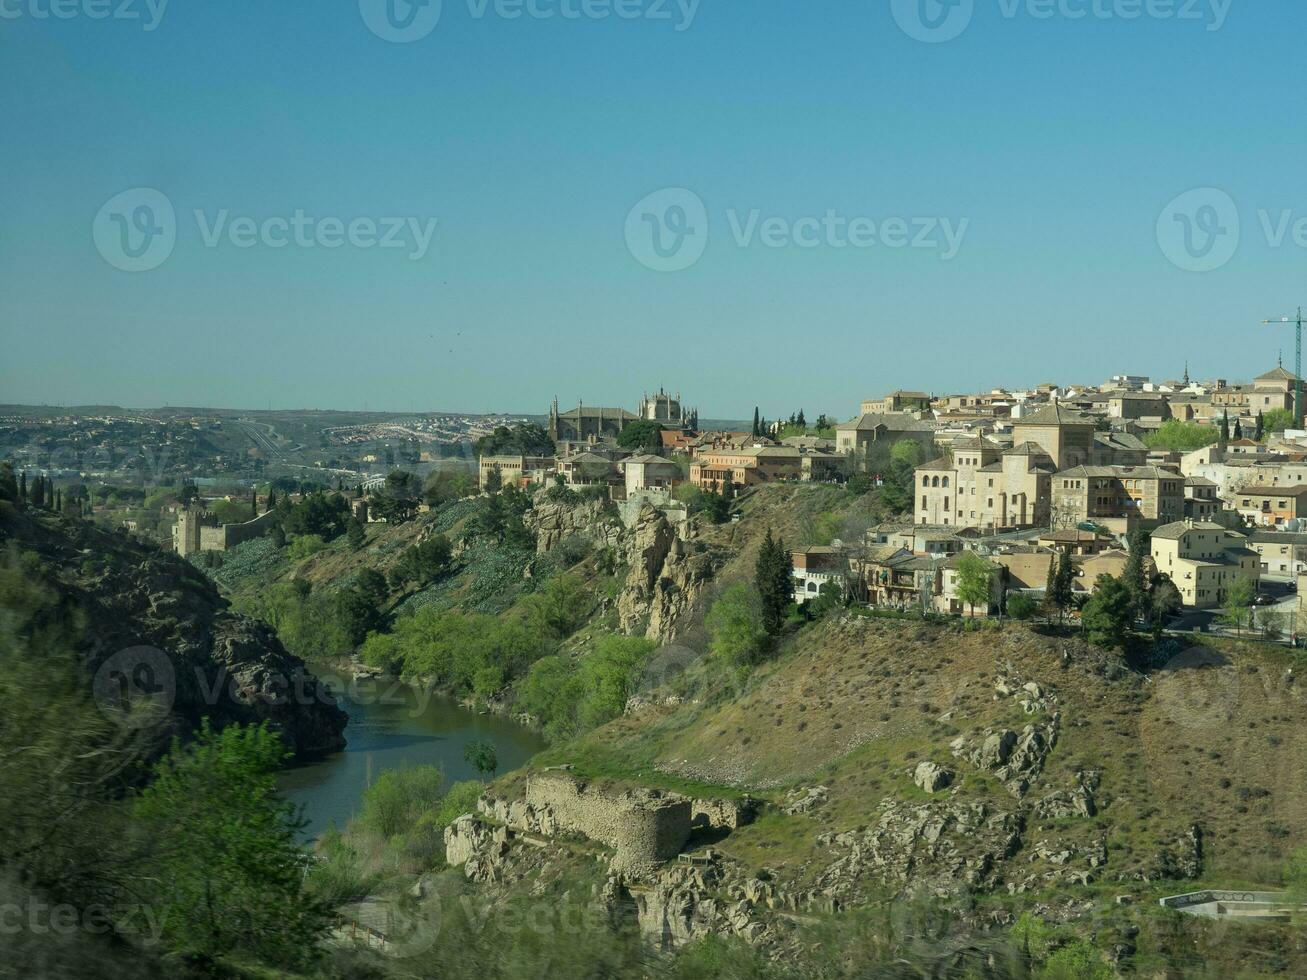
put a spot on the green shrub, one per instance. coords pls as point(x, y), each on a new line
point(306, 545)
point(398, 799)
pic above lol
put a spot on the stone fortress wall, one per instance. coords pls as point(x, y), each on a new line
point(644, 827)
point(198, 530)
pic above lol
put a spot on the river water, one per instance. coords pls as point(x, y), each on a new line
point(392, 725)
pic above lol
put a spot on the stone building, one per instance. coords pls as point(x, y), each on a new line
point(1064, 434)
point(1271, 506)
point(1118, 497)
point(586, 423)
point(199, 530)
point(515, 470)
point(897, 401)
point(665, 408)
point(983, 486)
point(1203, 560)
point(815, 567)
point(888, 428)
point(727, 470)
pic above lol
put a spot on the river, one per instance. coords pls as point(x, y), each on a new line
point(391, 726)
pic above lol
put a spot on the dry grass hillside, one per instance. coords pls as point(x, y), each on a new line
point(855, 704)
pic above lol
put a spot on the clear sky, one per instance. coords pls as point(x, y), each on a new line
point(1051, 146)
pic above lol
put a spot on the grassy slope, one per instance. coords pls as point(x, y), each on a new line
point(855, 704)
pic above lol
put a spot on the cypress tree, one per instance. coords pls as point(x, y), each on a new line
point(801, 421)
point(756, 422)
point(272, 498)
point(773, 579)
point(1238, 429)
point(22, 486)
point(1261, 427)
point(1224, 436)
point(1133, 573)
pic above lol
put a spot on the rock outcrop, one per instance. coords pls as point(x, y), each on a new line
point(157, 628)
point(554, 521)
point(667, 578)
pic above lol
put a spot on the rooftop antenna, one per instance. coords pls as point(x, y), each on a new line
point(1297, 363)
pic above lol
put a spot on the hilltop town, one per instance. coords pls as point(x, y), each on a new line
point(1208, 475)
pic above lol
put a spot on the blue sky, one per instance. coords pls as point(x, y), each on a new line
point(1054, 143)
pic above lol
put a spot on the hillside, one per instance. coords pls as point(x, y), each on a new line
point(150, 621)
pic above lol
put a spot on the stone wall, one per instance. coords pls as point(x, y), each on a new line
point(644, 827)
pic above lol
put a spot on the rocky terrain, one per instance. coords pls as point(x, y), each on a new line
point(155, 627)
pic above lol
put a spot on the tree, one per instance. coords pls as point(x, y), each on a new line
point(1238, 600)
point(1021, 606)
point(494, 480)
point(372, 585)
point(975, 581)
point(1133, 574)
point(448, 483)
point(735, 626)
point(1238, 429)
point(226, 868)
point(481, 756)
point(355, 533)
point(1164, 602)
point(1109, 612)
point(1058, 593)
point(1277, 420)
point(774, 579)
point(1224, 437)
point(642, 434)
point(899, 476)
point(757, 422)
point(1259, 433)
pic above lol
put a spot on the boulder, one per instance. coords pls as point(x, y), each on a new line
point(932, 777)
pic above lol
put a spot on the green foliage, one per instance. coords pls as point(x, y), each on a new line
point(559, 608)
point(397, 501)
point(355, 533)
point(1021, 606)
point(453, 650)
point(1295, 876)
point(312, 626)
point(1109, 613)
point(774, 580)
point(570, 696)
point(1132, 576)
point(1058, 593)
point(1277, 420)
point(318, 513)
point(423, 563)
point(1177, 436)
point(447, 484)
point(228, 869)
point(398, 798)
point(461, 798)
point(975, 580)
point(481, 756)
point(306, 545)
point(735, 626)
point(527, 439)
point(499, 517)
point(1238, 600)
point(643, 434)
point(1077, 960)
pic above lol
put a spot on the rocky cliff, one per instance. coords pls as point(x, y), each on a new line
point(668, 578)
point(158, 635)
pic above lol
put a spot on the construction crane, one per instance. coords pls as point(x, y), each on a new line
point(1297, 364)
